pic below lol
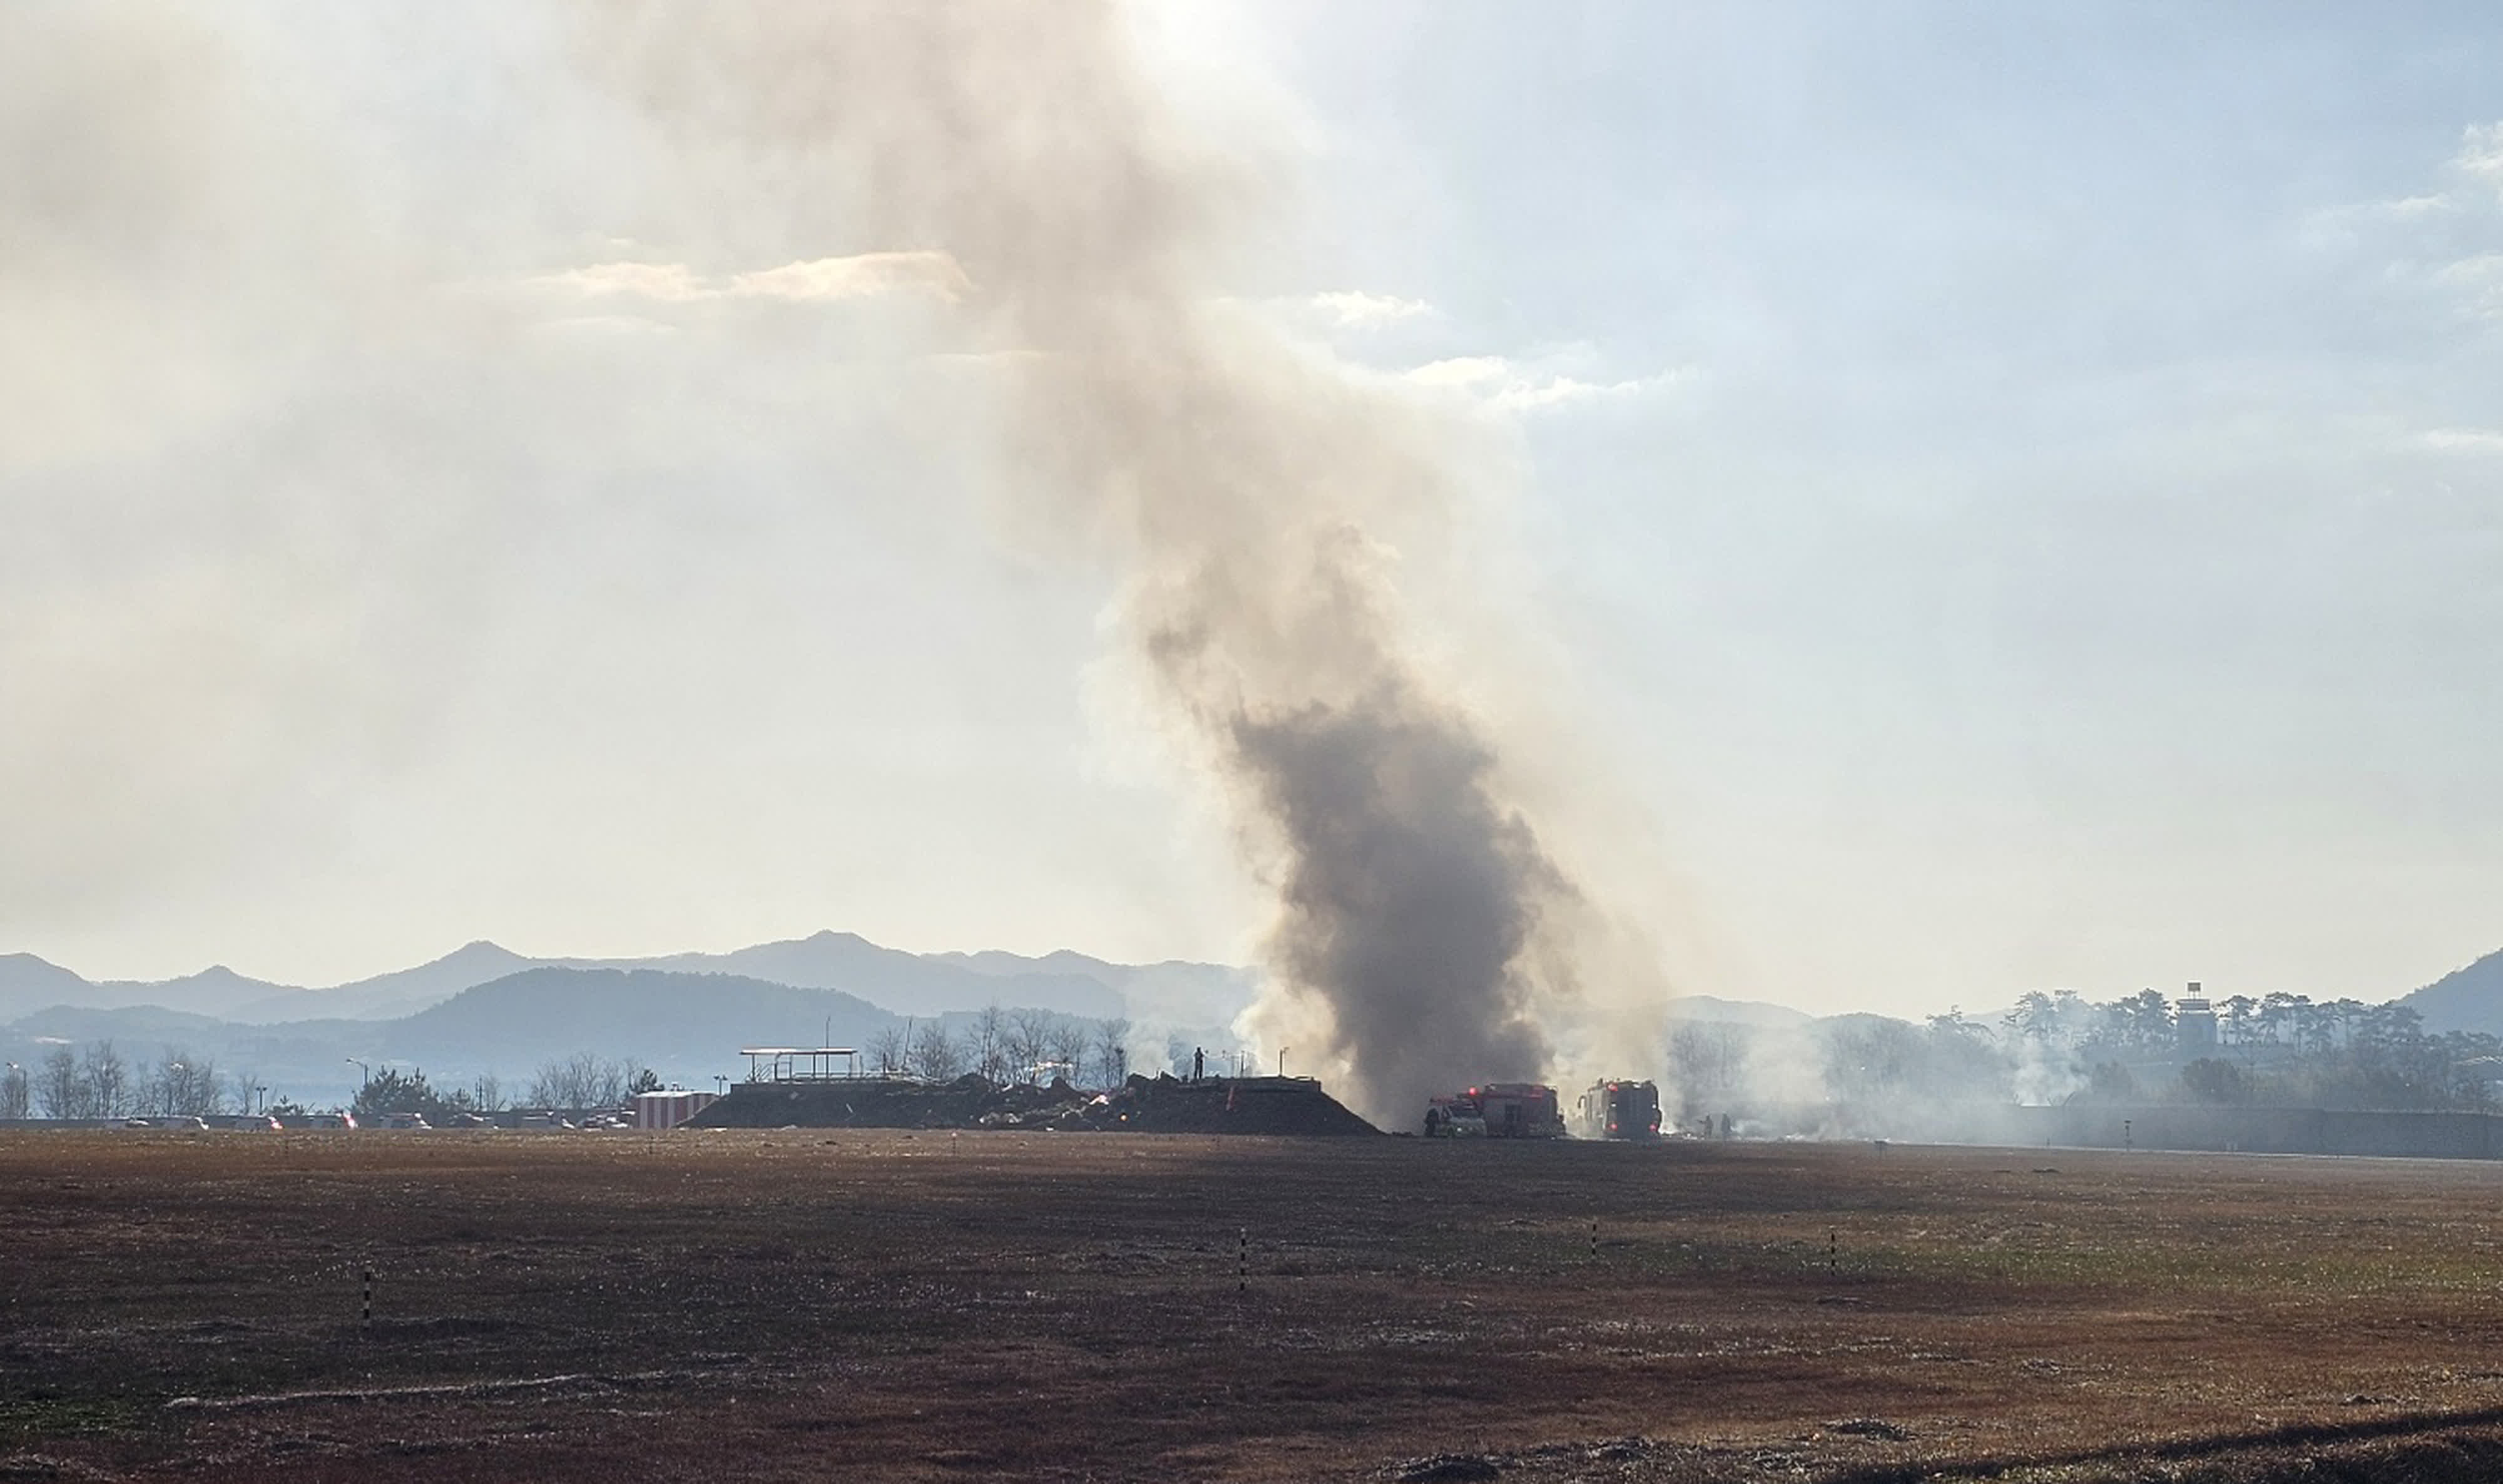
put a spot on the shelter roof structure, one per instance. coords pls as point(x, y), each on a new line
point(801, 1063)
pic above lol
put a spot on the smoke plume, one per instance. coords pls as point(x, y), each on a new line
point(1259, 503)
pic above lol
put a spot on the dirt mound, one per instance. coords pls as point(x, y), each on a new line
point(1292, 1106)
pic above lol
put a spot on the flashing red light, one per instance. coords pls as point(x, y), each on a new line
point(1612, 1127)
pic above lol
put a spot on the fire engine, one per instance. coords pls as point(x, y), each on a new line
point(1498, 1110)
point(1619, 1110)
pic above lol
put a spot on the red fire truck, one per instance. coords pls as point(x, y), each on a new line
point(1498, 1110)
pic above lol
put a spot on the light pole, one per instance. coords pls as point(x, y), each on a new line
point(260, 1094)
point(1281, 1060)
point(725, 1083)
point(367, 1070)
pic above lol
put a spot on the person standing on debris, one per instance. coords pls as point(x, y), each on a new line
point(1198, 1063)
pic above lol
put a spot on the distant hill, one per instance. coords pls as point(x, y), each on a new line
point(905, 983)
point(1737, 1012)
point(214, 991)
point(28, 983)
point(683, 1025)
point(1176, 992)
point(126, 1026)
point(387, 996)
point(908, 984)
point(2469, 998)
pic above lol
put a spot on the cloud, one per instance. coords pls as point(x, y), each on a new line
point(1557, 391)
point(1507, 387)
point(605, 324)
point(2481, 155)
point(2444, 241)
point(2481, 280)
point(860, 276)
point(2407, 207)
point(1462, 371)
point(2476, 170)
point(669, 283)
point(814, 280)
point(1368, 311)
point(2462, 440)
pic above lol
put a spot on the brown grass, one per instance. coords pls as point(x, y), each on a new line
point(803, 1304)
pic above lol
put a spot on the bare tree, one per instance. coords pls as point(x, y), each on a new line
point(60, 1087)
point(180, 1085)
point(581, 1081)
point(153, 1092)
point(888, 1053)
point(553, 1085)
point(936, 1054)
point(486, 1095)
point(991, 1043)
point(1029, 1041)
point(1070, 1037)
point(1113, 1051)
point(107, 1079)
point(15, 1092)
point(199, 1093)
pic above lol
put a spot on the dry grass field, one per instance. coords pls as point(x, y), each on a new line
point(889, 1305)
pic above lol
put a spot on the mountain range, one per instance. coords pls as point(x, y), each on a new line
point(906, 983)
point(485, 1009)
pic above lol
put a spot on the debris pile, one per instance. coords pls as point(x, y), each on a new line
point(1294, 1106)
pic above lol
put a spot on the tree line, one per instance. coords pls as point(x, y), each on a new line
point(575, 1082)
point(2276, 1050)
point(96, 1081)
point(1006, 1047)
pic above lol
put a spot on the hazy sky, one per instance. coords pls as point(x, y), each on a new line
point(2012, 496)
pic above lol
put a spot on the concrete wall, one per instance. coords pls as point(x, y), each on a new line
point(2265, 1130)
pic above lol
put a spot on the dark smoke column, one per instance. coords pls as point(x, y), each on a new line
point(1410, 898)
point(1264, 509)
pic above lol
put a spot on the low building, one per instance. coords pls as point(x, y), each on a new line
point(670, 1108)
